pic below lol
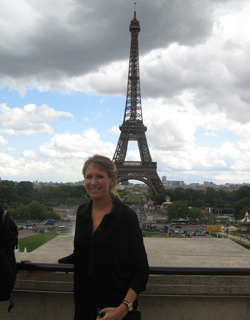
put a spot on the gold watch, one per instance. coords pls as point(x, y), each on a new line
point(128, 304)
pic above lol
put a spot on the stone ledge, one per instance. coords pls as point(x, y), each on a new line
point(173, 285)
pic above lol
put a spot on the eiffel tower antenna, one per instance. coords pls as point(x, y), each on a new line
point(133, 127)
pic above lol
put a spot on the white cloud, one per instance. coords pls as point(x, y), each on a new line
point(11, 149)
point(30, 120)
point(29, 108)
point(9, 166)
point(212, 134)
point(45, 47)
point(194, 80)
point(66, 170)
point(114, 130)
point(108, 79)
point(29, 154)
point(3, 142)
point(94, 115)
point(244, 145)
point(76, 146)
point(204, 162)
point(171, 124)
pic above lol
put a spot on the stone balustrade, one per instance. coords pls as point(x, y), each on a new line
point(49, 296)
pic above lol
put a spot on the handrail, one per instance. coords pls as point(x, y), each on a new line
point(61, 267)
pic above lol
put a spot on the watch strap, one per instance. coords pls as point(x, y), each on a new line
point(128, 304)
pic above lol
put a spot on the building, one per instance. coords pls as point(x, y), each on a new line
point(164, 179)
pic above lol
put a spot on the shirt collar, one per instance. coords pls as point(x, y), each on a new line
point(116, 212)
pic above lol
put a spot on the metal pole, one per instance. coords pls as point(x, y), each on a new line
point(217, 225)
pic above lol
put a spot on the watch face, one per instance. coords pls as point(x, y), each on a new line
point(130, 307)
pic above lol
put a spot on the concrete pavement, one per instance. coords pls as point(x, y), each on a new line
point(172, 252)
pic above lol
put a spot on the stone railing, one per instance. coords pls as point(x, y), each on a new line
point(172, 293)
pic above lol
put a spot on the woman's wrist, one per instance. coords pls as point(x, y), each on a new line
point(123, 308)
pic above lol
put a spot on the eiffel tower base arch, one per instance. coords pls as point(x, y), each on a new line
point(133, 170)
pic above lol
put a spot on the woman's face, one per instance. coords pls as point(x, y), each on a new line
point(97, 182)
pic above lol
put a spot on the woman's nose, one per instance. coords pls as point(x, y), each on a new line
point(93, 181)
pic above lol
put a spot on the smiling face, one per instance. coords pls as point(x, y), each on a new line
point(97, 182)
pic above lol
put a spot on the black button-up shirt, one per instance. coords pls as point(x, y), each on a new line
point(107, 263)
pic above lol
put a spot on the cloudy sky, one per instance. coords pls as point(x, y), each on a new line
point(63, 78)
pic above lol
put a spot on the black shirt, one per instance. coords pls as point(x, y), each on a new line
point(107, 263)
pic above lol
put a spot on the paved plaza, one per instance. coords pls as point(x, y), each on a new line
point(169, 252)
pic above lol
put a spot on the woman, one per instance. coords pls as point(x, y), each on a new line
point(109, 257)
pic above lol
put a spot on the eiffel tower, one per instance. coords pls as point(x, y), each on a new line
point(133, 128)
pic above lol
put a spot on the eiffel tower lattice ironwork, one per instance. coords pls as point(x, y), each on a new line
point(133, 128)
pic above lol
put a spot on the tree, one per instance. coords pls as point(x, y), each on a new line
point(8, 192)
point(194, 196)
point(243, 211)
point(70, 201)
point(195, 215)
point(78, 192)
point(26, 192)
point(240, 208)
point(177, 210)
point(25, 188)
point(170, 193)
point(20, 213)
point(199, 203)
point(179, 194)
point(222, 194)
point(220, 203)
point(123, 193)
point(149, 194)
point(36, 210)
point(243, 192)
point(53, 194)
point(33, 211)
point(211, 196)
point(208, 217)
point(160, 198)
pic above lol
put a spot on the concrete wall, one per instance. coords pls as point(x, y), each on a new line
point(50, 296)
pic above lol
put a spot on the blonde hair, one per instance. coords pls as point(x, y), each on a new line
point(105, 164)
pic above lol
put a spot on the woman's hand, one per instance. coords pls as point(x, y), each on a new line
point(26, 273)
point(114, 313)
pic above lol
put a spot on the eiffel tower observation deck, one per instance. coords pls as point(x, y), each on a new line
point(133, 128)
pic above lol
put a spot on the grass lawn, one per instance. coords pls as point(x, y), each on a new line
point(134, 199)
point(33, 242)
point(242, 243)
point(147, 234)
point(214, 234)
